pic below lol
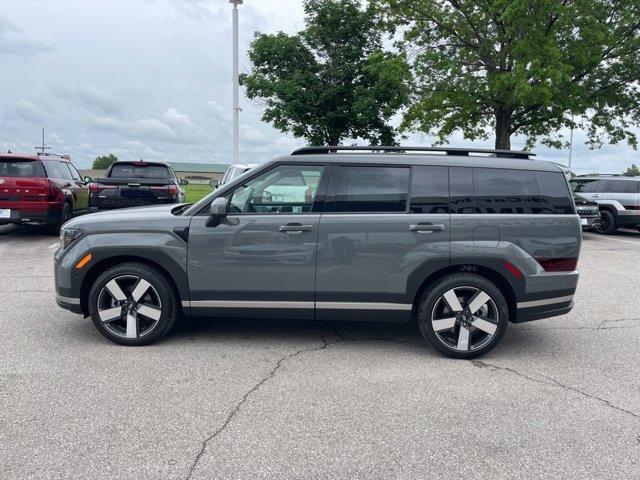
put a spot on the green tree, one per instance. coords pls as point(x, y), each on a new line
point(103, 162)
point(331, 81)
point(527, 67)
point(633, 171)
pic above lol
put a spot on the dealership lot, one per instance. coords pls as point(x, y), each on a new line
point(558, 398)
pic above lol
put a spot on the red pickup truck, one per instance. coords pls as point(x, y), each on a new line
point(41, 188)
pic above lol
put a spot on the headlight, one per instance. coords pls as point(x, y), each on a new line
point(68, 236)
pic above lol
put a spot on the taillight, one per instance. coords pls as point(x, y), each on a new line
point(97, 187)
point(568, 264)
point(173, 190)
point(93, 187)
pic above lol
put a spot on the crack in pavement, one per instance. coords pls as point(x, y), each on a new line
point(482, 364)
point(271, 374)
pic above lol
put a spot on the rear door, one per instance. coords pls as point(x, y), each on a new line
point(384, 230)
point(625, 192)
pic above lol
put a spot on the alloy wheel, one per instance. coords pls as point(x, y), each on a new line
point(465, 318)
point(129, 306)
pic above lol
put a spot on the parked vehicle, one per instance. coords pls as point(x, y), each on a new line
point(588, 211)
point(459, 242)
point(618, 198)
point(41, 188)
point(132, 184)
point(234, 171)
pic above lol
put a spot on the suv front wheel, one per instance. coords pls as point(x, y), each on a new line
point(463, 315)
point(133, 304)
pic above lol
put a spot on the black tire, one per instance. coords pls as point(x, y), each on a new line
point(161, 288)
point(434, 296)
point(608, 224)
point(65, 215)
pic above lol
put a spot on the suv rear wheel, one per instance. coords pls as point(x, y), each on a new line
point(463, 315)
point(607, 225)
point(133, 304)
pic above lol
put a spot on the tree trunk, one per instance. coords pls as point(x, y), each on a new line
point(503, 130)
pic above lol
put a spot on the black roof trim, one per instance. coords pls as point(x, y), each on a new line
point(399, 149)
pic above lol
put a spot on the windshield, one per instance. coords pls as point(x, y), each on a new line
point(139, 171)
point(21, 168)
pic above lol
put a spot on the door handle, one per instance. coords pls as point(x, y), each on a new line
point(294, 228)
point(426, 228)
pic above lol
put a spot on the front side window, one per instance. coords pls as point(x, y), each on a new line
point(506, 191)
point(283, 189)
point(371, 189)
point(74, 173)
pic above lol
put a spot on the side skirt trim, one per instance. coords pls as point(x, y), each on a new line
point(301, 305)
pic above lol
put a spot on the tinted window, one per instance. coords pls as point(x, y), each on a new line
point(64, 170)
point(587, 186)
point(283, 189)
point(461, 190)
point(505, 191)
point(622, 186)
point(53, 169)
point(430, 190)
point(74, 172)
point(371, 189)
point(128, 170)
point(554, 193)
point(20, 168)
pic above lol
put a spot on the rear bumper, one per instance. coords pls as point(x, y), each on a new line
point(547, 295)
point(25, 213)
point(102, 202)
point(538, 313)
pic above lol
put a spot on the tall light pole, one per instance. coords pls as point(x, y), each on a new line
point(236, 95)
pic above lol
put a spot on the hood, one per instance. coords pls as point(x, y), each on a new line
point(153, 218)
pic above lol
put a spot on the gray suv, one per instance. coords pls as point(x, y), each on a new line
point(618, 198)
point(462, 242)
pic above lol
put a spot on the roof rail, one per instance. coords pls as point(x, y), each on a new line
point(47, 154)
point(602, 175)
point(399, 149)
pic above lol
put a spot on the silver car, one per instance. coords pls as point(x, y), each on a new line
point(618, 198)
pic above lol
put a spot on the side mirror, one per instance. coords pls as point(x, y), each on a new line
point(87, 179)
point(217, 211)
point(214, 183)
point(184, 181)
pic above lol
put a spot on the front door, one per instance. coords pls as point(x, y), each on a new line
point(261, 259)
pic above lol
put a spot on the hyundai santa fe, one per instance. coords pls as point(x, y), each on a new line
point(459, 241)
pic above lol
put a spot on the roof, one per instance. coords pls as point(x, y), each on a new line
point(195, 167)
point(423, 159)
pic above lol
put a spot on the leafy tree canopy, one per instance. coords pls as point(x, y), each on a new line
point(522, 67)
point(633, 171)
point(103, 162)
point(331, 81)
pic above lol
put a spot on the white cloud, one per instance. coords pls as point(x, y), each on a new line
point(14, 41)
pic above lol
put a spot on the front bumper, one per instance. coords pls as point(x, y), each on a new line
point(589, 223)
point(69, 303)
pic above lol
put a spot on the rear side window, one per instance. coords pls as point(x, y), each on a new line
point(128, 170)
point(622, 186)
point(54, 170)
point(430, 189)
point(64, 170)
point(21, 168)
point(506, 191)
point(371, 189)
point(587, 186)
point(554, 193)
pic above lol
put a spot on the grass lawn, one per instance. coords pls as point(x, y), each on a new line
point(196, 192)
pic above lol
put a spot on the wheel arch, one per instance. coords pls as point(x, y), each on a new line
point(103, 264)
point(491, 274)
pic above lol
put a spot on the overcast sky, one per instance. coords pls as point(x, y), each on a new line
point(152, 79)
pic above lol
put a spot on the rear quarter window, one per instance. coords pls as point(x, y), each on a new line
point(506, 191)
point(622, 186)
point(555, 196)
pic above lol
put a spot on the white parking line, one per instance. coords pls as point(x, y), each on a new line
point(610, 238)
point(54, 245)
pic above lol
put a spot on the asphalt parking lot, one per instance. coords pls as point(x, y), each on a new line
point(559, 398)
